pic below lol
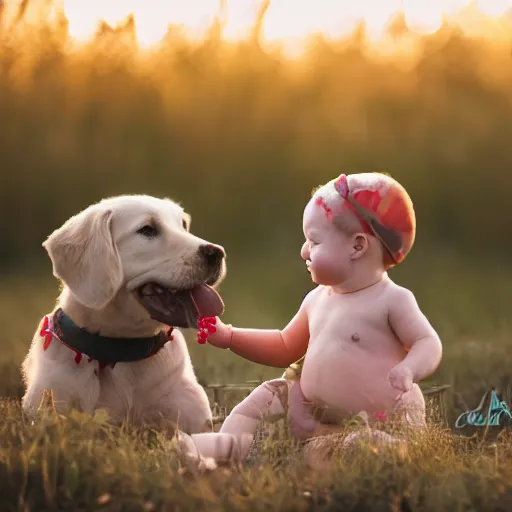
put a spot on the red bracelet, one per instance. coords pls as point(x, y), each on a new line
point(205, 327)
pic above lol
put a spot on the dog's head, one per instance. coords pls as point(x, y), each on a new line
point(142, 246)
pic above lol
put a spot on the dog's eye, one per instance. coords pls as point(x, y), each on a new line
point(148, 231)
point(185, 224)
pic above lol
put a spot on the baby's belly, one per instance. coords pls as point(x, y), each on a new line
point(349, 380)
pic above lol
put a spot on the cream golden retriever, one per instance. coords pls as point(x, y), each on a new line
point(130, 268)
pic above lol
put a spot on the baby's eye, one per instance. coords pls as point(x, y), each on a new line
point(312, 244)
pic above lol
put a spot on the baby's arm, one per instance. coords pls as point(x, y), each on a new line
point(270, 347)
point(418, 337)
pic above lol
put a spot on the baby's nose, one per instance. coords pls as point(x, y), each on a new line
point(304, 252)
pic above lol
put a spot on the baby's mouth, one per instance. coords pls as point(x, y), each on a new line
point(308, 264)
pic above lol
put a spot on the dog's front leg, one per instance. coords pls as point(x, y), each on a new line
point(186, 408)
point(73, 386)
point(190, 406)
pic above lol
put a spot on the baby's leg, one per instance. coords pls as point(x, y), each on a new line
point(268, 401)
point(301, 421)
point(371, 436)
point(321, 452)
point(410, 410)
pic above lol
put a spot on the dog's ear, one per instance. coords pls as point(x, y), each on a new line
point(85, 258)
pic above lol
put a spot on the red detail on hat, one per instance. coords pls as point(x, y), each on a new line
point(328, 211)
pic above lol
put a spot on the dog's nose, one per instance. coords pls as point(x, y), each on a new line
point(213, 254)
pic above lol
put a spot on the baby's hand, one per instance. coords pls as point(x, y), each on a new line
point(401, 378)
point(215, 331)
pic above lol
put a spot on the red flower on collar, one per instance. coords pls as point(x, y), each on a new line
point(46, 333)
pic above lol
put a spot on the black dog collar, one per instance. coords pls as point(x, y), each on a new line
point(104, 349)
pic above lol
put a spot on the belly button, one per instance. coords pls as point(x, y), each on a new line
point(355, 337)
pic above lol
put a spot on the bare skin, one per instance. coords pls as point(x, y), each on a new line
point(365, 340)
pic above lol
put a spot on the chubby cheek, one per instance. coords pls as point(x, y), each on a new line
point(325, 269)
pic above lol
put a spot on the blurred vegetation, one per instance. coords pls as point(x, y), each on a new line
point(240, 136)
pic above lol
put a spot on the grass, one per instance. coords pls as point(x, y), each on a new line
point(83, 463)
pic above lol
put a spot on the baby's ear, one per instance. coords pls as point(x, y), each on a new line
point(360, 245)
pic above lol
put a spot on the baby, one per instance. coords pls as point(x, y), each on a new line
point(362, 340)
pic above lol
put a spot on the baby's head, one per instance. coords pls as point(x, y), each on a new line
point(354, 220)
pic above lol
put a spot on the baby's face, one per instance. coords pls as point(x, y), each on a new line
point(327, 250)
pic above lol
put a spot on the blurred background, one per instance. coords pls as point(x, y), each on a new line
point(237, 109)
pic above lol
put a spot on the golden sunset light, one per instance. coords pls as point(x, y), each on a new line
point(283, 20)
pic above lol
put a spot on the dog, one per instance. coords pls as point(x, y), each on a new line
point(132, 274)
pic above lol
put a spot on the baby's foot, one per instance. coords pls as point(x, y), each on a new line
point(204, 451)
point(190, 456)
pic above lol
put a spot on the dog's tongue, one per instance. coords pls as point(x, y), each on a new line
point(207, 301)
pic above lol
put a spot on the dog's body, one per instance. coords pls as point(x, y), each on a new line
point(106, 257)
point(160, 388)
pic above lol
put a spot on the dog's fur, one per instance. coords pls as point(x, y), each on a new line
point(101, 260)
